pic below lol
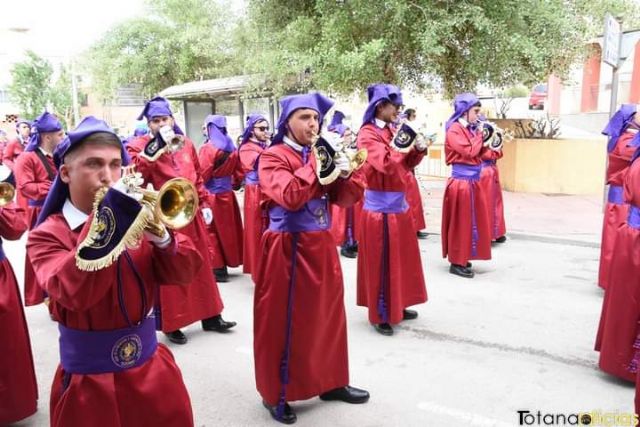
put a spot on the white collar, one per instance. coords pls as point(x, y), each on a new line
point(74, 216)
point(291, 143)
point(44, 151)
point(380, 123)
point(463, 122)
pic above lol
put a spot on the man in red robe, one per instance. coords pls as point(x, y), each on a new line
point(300, 334)
point(344, 221)
point(621, 130)
point(35, 171)
point(254, 141)
point(465, 225)
point(159, 160)
point(218, 163)
point(16, 146)
point(18, 390)
point(112, 371)
point(490, 183)
point(390, 276)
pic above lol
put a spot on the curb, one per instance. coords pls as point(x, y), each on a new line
point(545, 238)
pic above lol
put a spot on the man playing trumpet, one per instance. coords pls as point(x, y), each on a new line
point(111, 364)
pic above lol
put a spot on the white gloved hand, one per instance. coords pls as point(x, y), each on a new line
point(421, 143)
point(161, 242)
point(207, 214)
point(127, 185)
point(334, 140)
point(343, 164)
point(167, 134)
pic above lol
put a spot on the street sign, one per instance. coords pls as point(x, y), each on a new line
point(611, 47)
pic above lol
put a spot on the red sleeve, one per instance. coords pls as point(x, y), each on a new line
point(346, 192)
point(180, 252)
point(29, 184)
point(13, 221)
point(380, 155)
point(144, 166)
point(248, 158)
point(458, 142)
point(414, 157)
point(488, 154)
point(288, 188)
point(203, 194)
point(9, 155)
point(626, 151)
point(212, 165)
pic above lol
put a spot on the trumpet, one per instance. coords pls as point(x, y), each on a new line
point(173, 140)
point(174, 205)
point(7, 189)
point(493, 136)
point(326, 154)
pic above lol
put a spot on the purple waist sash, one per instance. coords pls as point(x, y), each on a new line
point(99, 352)
point(467, 172)
point(633, 220)
point(615, 195)
point(219, 185)
point(251, 178)
point(486, 163)
point(314, 216)
point(35, 203)
point(390, 202)
point(2, 255)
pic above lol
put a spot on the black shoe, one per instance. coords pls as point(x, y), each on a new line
point(346, 394)
point(221, 274)
point(383, 328)
point(422, 234)
point(217, 323)
point(347, 252)
point(288, 416)
point(176, 337)
point(461, 271)
point(501, 239)
point(469, 264)
point(409, 314)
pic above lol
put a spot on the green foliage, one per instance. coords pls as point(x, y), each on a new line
point(518, 91)
point(33, 90)
point(339, 46)
point(177, 41)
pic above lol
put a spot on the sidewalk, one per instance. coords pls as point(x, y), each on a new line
point(551, 218)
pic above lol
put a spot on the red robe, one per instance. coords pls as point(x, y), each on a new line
point(318, 361)
point(614, 215)
point(254, 222)
point(619, 328)
point(339, 222)
point(89, 301)
point(33, 184)
point(12, 150)
point(490, 187)
point(386, 170)
point(226, 212)
point(414, 198)
point(461, 146)
point(182, 305)
point(18, 388)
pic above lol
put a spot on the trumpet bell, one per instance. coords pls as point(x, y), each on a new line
point(7, 193)
point(177, 203)
point(358, 158)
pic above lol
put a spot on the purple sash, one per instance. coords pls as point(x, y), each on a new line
point(251, 178)
point(313, 216)
point(486, 163)
point(466, 172)
point(633, 220)
point(470, 173)
point(219, 185)
point(2, 255)
point(393, 202)
point(35, 203)
point(99, 352)
point(615, 195)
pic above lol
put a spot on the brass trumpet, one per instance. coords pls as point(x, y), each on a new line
point(326, 154)
point(7, 193)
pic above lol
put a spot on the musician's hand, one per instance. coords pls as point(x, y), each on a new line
point(343, 164)
point(167, 134)
point(207, 214)
point(421, 143)
point(161, 242)
point(127, 185)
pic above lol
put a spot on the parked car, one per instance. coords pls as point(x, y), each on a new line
point(538, 97)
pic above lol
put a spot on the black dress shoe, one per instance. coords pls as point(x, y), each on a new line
point(461, 271)
point(501, 239)
point(346, 394)
point(217, 323)
point(383, 328)
point(422, 234)
point(176, 337)
point(347, 252)
point(288, 416)
point(409, 314)
point(469, 264)
point(221, 274)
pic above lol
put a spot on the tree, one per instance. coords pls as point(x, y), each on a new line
point(177, 41)
point(339, 46)
point(32, 88)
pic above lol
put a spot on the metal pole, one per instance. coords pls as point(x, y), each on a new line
point(74, 95)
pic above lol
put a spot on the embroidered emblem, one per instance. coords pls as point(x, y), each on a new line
point(105, 228)
point(126, 351)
